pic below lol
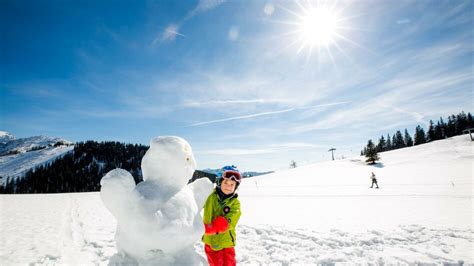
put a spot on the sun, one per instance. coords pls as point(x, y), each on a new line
point(319, 26)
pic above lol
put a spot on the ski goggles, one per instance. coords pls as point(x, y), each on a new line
point(234, 175)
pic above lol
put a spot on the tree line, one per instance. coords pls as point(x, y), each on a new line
point(79, 170)
point(454, 126)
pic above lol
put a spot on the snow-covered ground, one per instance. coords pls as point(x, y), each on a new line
point(315, 214)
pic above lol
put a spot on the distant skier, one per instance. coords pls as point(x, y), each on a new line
point(221, 214)
point(374, 180)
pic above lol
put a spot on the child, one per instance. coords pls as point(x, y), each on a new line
point(221, 214)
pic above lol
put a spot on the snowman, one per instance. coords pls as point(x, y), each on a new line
point(158, 220)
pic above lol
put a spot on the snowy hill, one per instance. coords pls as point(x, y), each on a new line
point(443, 167)
point(323, 213)
point(10, 145)
point(19, 155)
point(422, 213)
point(5, 137)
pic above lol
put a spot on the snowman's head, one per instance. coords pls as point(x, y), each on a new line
point(169, 161)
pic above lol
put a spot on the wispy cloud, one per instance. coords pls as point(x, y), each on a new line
point(125, 112)
point(408, 86)
point(170, 33)
point(263, 114)
point(52, 89)
point(128, 105)
point(403, 21)
point(274, 148)
point(205, 5)
point(419, 68)
point(242, 117)
point(404, 96)
point(206, 104)
point(415, 115)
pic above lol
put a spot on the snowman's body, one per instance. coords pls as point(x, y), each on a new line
point(158, 220)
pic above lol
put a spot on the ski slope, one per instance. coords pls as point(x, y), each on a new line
point(17, 156)
point(18, 164)
point(322, 213)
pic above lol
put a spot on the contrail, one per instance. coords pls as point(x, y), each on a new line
point(241, 117)
point(263, 114)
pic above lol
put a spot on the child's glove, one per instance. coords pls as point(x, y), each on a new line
point(219, 225)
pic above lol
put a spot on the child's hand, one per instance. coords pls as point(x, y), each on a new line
point(219, 225)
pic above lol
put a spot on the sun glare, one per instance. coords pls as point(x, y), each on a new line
point(318, 26)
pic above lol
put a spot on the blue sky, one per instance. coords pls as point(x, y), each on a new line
point(243, 81)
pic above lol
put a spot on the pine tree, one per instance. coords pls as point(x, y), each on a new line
point(398, 142)
point(389, 143)
point(461, 123)
point(8, 186)
point(450, 127)
point(371, 154)
point(381, 146)
point(420, 137)
point(431, 132)
point(408, 140)
point(442, 129)
point(438, 131)
point(470, 123)
point(455, 126)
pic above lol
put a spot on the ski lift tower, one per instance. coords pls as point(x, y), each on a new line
point(469, 130)
point(332, 152)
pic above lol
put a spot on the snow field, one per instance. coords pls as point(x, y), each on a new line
point(407, 244)
point(77, 229)
point(55, 228)
point(323, 213)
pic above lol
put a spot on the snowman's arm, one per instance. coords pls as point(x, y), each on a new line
point(201, 189)
point(116, 190)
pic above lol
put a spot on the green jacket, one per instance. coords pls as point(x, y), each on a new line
point(215, 207)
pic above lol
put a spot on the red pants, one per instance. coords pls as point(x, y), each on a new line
point(223, 257)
